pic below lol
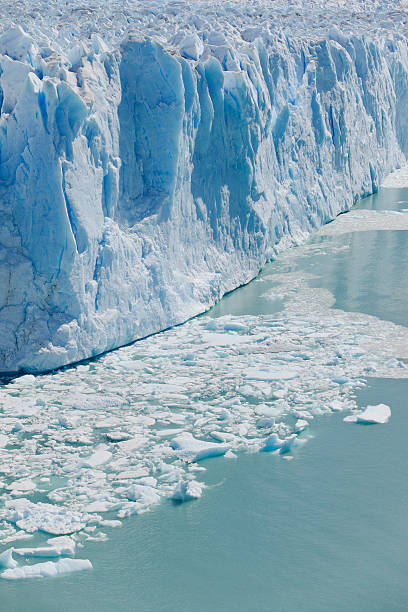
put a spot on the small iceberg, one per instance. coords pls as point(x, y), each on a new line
point(187, 490)
point(49, 569)
point(274, 443)
point(378, 414)
point(57, 547)
point(191, 449)
point(6, 559)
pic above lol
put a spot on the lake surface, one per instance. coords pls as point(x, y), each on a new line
point(322, 528)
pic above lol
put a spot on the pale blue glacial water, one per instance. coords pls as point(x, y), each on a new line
point(326, 531)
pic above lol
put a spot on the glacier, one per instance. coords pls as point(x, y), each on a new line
point(155, 155)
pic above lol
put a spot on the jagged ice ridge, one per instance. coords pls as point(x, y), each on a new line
point(155, 155)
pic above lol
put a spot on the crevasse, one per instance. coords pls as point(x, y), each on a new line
point(139, 184)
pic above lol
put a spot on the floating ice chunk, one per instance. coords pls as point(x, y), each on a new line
point(191, 47)
point(167, 433)
point(336, 406)
point(266, 373)
point(99, 457)
point(68, 422)
point(187, 490)
point(170, 472)
point(56, 548)
point(214, 339)
point(6, 559)
point(235, 326)
point(279, 393)
point(141, 498)
point(265, 423)
point(274, 443)
point(27, 379)
point(394, 363)
point(222, 436)
point(375, 414)
point(301, 424)
point(19, 407)
point(303, 414)
point(63, 543)
point(269, 411)
point(53, 519)
point(19, 535)
point(99, 506)
point(143, 419)
point(132, 444)
point(341, 380)
point(49, 569)
point(24, 484)
point(144, 494)
point(148, 481)
point(288, 444)
point(190, 448)
point(3, 440)
point(351, 418)
point(110, 523)
point(130, 474)
point(117, 436)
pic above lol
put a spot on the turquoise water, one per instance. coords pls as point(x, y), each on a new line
point(325, 531)
point(371, 276)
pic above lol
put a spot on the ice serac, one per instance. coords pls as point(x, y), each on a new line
point(139, 184)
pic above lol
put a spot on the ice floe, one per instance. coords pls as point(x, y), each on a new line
point(189, 448)
point(371, 415)
point(6, 559)
point(49, 569)
point(56, 547)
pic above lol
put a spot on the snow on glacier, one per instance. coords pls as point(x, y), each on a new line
point(155, 155)
point(117, 436)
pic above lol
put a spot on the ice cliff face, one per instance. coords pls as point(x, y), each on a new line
point(142, 180)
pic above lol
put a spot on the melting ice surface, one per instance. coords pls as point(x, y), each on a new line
point(85, 448)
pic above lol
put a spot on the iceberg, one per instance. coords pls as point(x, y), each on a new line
point(154, 158)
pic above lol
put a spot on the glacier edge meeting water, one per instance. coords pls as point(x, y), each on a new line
point(154, 156)
point(144, 178)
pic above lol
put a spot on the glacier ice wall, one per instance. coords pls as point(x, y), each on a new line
point(139, 183)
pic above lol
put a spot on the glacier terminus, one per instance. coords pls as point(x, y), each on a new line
point(155, 155)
